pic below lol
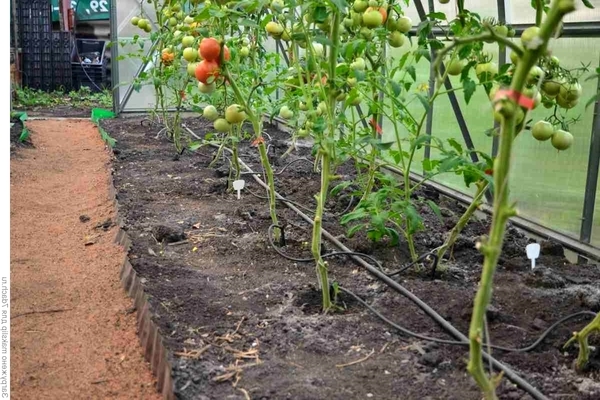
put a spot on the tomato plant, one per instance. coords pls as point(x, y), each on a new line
point(356, 102)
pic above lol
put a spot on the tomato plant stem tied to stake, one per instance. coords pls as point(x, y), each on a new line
point(502, 210)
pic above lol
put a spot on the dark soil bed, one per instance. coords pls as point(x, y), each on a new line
point(243, 322)
point(58, 111)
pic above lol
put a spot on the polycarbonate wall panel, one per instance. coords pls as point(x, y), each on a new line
point(521, 12)
point(128, 66)
point(550, 185)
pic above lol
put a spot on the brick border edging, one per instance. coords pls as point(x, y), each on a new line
point(151, 340)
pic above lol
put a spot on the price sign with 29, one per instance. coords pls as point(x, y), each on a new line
point(86, 10)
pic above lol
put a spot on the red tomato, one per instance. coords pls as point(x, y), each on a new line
point(210, 49)
point(207, 69)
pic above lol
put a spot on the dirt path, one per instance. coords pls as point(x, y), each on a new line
point(88, 348)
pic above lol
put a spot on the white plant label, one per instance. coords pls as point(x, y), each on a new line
point(533, 252)
point(239, 185)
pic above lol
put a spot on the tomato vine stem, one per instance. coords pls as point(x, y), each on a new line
point(502, 210)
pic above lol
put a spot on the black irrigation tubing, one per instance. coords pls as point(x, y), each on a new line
point(510, 374)
point(460, 343)
point(349, 253)
point(408, 332)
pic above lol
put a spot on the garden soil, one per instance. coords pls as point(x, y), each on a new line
point(241, 322)
point(73, 329)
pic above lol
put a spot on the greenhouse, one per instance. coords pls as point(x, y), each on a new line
point(279, 199)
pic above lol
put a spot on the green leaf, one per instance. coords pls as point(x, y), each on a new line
point(394, 236)
point(452, 142)
point(434, 207)
point(396, 88)
point(353, 216)
point(195, 146)
point(352, 231)
point(340, 4)
point(320, 14)
point(412, 72)
point(437, 15)
point(339, 187)
point(381, 145)
point(424, 102)
point(436, 44)
point(592, 99)
point(587, 4)
point(413, 218)
point(403, 60)
point(419, 141)
point(469, 87)
point(429, 164)
point(24, 135)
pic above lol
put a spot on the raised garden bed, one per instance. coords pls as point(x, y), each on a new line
point(239, 321)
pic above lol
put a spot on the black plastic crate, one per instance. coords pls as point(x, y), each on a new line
point(91, 76)
point(89, 52)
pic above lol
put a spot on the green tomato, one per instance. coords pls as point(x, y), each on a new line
point(535, 74)
point(351, 81)
point(486, 71)
point(562, 140)
point(221, 125)
point(360, 6)
point(542, 130)
point(356, 101)
point(373, 3)
point(188, 41)
point(372, 19)
point(528, 35)
point(210, 112)
point(274, 29)
point(565, 103)
point(366, 33)
point(302, 133)
point(358, 64)
point(277, 5)
point(188, 20)
point(235, 114)
point(404, 24)
point(204, 88)
point(501, 30)
point(356, 19)
point(190, 54)
point(191, 69)
point(455, 66)
point(570, 91)
point(319, 49)
point(551, 88)
point(172, 22)
point(348, 23)
point(444, 1)
point(135, 21)
point(286, 113)
point(396, 39)
point(302, 106)
point(141, 23)
point(244, 52)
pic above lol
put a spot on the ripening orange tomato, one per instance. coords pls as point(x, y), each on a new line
point(207, 69)
point(210, 49)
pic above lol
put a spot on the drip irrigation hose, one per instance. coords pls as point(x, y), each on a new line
point(407, 332)
point(341, 253)
point(510, 374)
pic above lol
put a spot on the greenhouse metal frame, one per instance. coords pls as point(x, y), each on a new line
point(126, 100)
